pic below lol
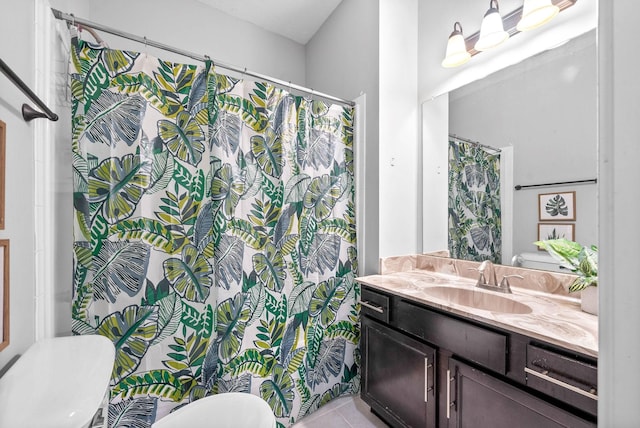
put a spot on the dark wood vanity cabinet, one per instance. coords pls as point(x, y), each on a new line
point(398, 376)
point(478, 399)
point(398, 371)
point(425, 368)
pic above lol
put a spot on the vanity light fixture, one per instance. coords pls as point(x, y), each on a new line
point(532, 14)
point(457, 53)
point(536, 13)
point(492, 31)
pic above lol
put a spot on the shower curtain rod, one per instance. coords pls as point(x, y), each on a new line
point(476, 143)
point(73, 20)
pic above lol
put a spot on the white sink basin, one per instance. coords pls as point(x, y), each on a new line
point(58, 382)
point(478, 299)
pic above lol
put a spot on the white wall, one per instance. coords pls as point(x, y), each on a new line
point(17, 50)
point(53, 193)
point(342, 60)
point(435, 179)
point(400, 228)
point(619, 229)
point(546, 109)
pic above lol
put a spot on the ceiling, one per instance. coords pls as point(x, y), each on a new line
point(297, 20)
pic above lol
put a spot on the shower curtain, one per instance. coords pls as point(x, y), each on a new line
point(214, 236)
point(475, 225)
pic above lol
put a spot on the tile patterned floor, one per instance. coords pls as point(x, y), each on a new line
point(344, 412)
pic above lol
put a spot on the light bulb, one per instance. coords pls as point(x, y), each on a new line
point(536, 13)
point(492, 31)
point(456, 53)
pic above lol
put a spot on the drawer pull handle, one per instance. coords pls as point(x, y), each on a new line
point(565, 385)
point(371, 306)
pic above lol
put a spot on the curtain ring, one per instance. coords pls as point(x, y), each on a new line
point(76, 27)
point(208, 60)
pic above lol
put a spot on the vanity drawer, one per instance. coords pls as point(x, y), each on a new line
point(375, 304)
point(474, 343)
point(567, 378)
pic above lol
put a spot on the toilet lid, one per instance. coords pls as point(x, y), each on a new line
point(58, 382)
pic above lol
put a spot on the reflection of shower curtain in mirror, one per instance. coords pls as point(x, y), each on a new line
point(475, 226)
point(214, 236)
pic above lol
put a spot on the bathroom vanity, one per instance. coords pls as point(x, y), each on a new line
point(438, 352)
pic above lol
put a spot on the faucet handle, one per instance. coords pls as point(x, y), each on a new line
point(504, 284)
point(481, 278)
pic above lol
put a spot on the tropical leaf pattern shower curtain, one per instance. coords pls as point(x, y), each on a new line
point(214, 236)
point(475, 222)
point(285, 255)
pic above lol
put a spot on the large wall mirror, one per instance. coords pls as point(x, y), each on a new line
point(542, 115)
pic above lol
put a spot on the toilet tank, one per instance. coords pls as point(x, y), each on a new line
point(540, 260)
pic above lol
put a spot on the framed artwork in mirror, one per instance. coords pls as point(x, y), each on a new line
point(3, 134)
point(556, 231)
point(4, 293)
point(557, 206)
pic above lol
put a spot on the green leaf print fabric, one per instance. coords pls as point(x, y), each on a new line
point(214, 236)
point(143, 269)
point(475, 220)
point(285, 254)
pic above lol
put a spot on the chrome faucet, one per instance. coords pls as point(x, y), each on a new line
point(490, 277)
point(488, 280)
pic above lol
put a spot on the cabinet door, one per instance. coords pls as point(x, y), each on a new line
point(477, 399)
point(398, 376)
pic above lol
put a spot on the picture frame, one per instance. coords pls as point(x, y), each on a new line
point(4, 293)
point(3, 136)
point(556, 231)
point(558, 206)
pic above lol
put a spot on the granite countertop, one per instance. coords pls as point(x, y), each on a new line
point(556, 319)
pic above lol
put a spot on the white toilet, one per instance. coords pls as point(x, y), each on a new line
point(227, 410)
point(541, 260)
point(60, 382)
